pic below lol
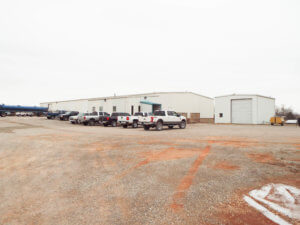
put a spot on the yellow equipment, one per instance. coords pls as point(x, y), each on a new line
point(277, 120)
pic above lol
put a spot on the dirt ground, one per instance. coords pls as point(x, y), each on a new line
point(53, 172)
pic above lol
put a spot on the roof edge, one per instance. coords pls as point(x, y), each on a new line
point(245, 95)
point(125, 96)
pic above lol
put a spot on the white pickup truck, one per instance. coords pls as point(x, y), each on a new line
point(163, 118)
point(75, 119)
point(134, 120)
point(92, 118)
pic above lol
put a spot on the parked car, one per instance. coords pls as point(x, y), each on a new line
point(113, 119)
point(75, 119)
point(134, 120)
point(67, 115)
point(93, 118)
point(3, 114)
point(164, 118)
point(53, 115)
point(29, 114)
point(22, 113)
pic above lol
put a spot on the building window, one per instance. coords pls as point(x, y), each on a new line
point(132, 109)
point(94, 109)
point(139, 108)
point(220, 115)
point(145, 97)
point(114, 108)
point(101, 109)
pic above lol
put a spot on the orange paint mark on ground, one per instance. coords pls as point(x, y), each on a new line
point(262, 158)
point(297, 146)
point(167, 154)
point(225, 166)
point(156, 142)
point(100, 146)
point(235, 142)
point(187, 180)
point(52, 137)
point(226, 141)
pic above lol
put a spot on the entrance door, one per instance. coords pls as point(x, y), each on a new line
point(156, 107)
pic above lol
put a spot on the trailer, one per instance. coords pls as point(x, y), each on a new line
point(5, 109)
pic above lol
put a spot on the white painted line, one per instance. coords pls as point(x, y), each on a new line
point(286, 196)
point(265, 212)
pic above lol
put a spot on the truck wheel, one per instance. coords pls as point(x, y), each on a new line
point(85, 123)
point(92, 123)
point(124, 126)
point(146, 127)
point(114, 123)
point(159, 126)
point(135, 124)
point(171, 127)
point(182, 125)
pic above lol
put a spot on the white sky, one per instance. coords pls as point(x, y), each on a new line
point(67, 49)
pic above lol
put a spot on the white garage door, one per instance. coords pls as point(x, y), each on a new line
point(241, 111)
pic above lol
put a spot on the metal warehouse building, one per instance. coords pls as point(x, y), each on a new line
point(197, 107)
point(244, 109)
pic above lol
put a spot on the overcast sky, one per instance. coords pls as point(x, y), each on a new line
point(67, 49)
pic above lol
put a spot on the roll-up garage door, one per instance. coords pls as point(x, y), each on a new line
point(241, 111)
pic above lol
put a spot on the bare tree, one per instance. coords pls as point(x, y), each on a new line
point(287, 112)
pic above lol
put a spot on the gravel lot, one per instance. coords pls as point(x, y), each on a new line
point(53, 172)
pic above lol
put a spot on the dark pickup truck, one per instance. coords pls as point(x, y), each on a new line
point(67, 115)
point(113, 119)
point(53, 115)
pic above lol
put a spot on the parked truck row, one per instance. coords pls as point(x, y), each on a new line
point(147, 120)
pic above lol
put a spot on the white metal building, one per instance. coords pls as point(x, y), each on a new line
point(244, 109)
point(183, 102)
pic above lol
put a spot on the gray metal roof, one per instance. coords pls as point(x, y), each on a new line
point(127, 96)
point(245, 95)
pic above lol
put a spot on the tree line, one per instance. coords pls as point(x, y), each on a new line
point(288, 112)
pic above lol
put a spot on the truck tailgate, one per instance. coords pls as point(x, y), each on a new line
point(123, 119)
